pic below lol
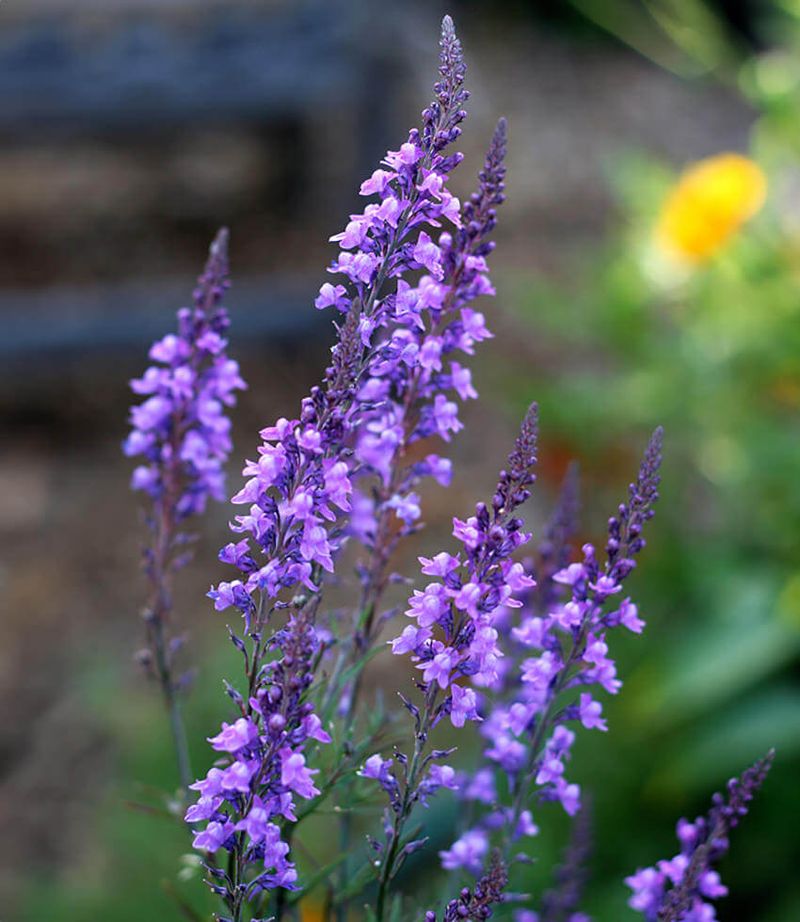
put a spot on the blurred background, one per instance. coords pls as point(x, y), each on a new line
point(130, 130)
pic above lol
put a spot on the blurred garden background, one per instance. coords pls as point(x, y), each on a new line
point(648, 271)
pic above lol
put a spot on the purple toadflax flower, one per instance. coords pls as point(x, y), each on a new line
point(245, 800)
point(302, 481)
point(182, 436)
point(453, 635)
point(453, 638)
point(561, 647)
point(679, 890)
point(300, 488)
point(410, 385)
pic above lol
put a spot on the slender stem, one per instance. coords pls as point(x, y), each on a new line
point(402, 815)
point(172, 703)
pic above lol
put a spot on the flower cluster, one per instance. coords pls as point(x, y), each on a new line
point(244, 799)
point(406, 392)
point(453, 640)
point(303, 477)
point(453, 635)
point(513, 648)
point(562, 647)
point(412, 376)
point(678, 890)
point(300, 487)
point(180, 429)
point(181, 433)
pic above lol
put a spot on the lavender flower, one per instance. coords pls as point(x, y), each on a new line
point(180, 430)
point(525, 725)
point(514, 647)
point(181, 433)
point(453, 634)
point(245, 800)
point(301, 485)
point(303, 479)
point(404, 396)
point(679, 890)
point(453, 637)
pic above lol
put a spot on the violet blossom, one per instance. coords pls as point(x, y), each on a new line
point(180, 430)
point(563, 648)
point(404, 397)
point(181, 435)
point(300, 487)
point(680, 890)
point(452, 640)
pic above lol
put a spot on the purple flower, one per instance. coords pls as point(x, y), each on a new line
point(266, 766)
point(463, 705)
point(678, 890)
point(468, 852)
point(294, 774)
point(234, 737)
point(181, 436)
point(214, 836)
point(560, 643)
point(408, 394)
point(474, 586)
point(301, 484)
point(589, 712)
point(179, 430)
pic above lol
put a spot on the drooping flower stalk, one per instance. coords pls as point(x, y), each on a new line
point(679, 890)
point(526, 717)
point(299, 490)
point(182, 435)
point(452, 639)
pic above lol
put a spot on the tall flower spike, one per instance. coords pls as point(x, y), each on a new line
point(678, 890)
point(299, 489)
point(182, 435)
point(410, 395)
point(180, 430)
point(453, 638)
point(561, 649)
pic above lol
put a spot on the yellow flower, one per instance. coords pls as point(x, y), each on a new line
point(708, 204)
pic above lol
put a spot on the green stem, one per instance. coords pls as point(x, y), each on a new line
point(388, 866)
point(172, 702)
